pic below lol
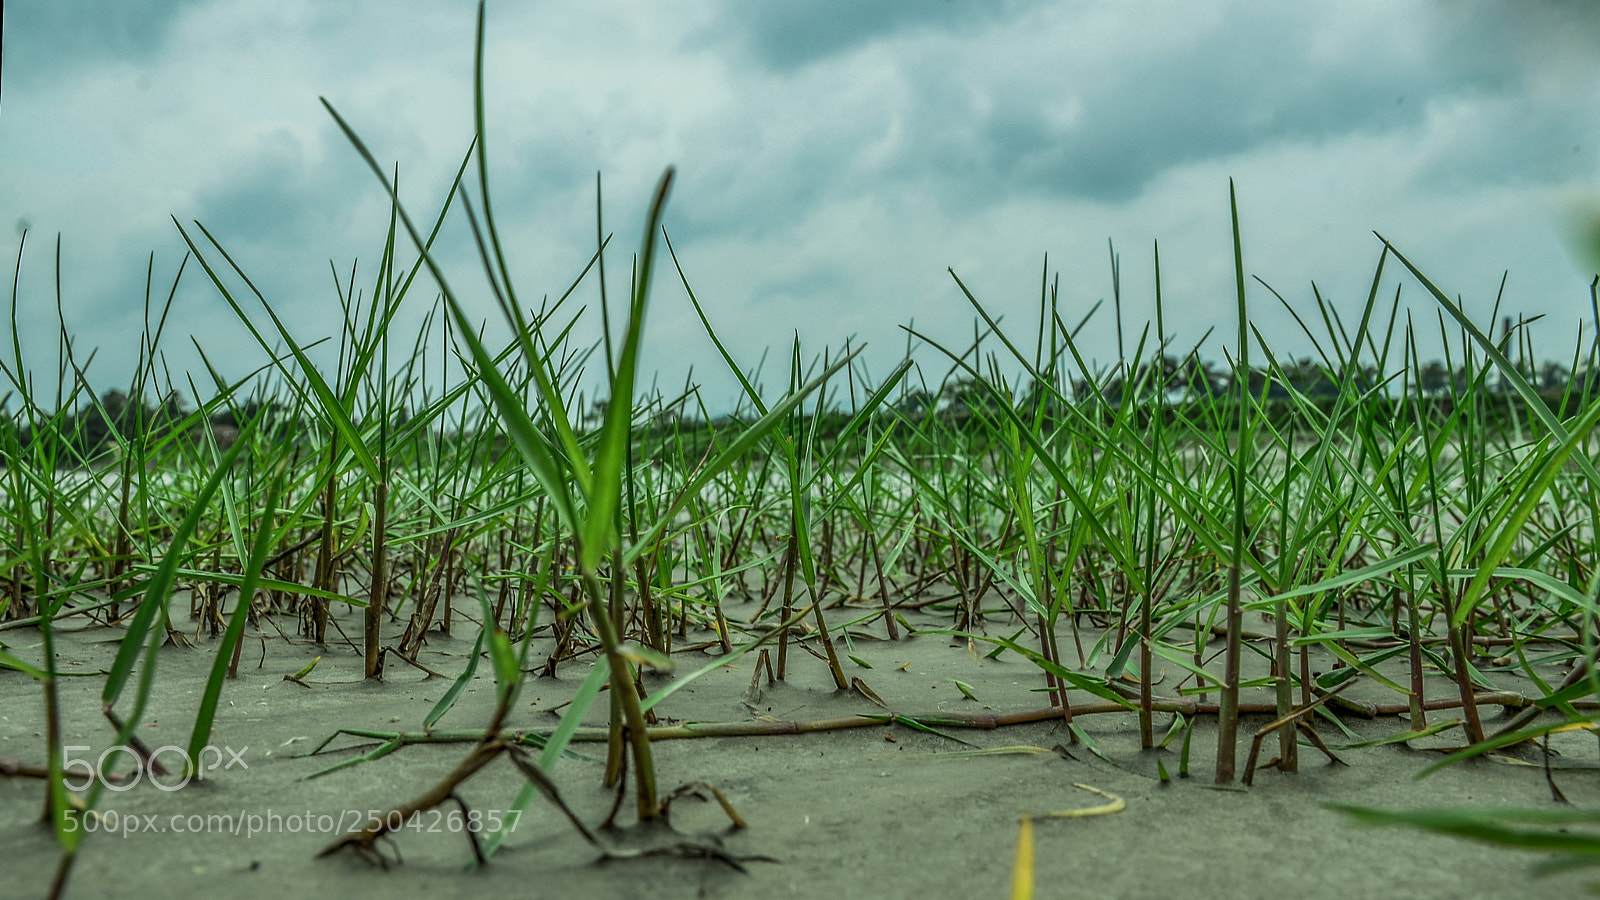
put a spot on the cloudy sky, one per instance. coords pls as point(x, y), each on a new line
point(834, 157)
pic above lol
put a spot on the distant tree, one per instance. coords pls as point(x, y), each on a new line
point(963, 397)
point(1311, 378)
point(266, 414)
point(916, 403)
point(1262, 380)
point(1554, 376)
point(1200, 378)
point(171, 413)
point(270, 418)
point(1434, 378)
point(11, 433)
point(92, 426)
point(95, 427)
point(1167, 378)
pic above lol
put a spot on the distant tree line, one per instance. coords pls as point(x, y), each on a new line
point(93, 429)
point(1195, 379)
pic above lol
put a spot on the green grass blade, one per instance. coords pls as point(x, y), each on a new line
point(531, 444)
point(259, 550)
point(159, 589)
point(453, 693)
point(555, 746)
point(617, 433)
point(1508, 369)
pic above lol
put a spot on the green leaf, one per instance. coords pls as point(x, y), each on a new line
point(7, 661)
point(573, 717)
point(1404, 736)
point(1532, 495)
point(617, 433)
point(1550, 583)
point(738, 449)
point(328, 404)
point(507, 671)
point(1374, 633)
point(553, 748)
point(531, 445)
point(1495, 743)
point(1492, 826)
point(153, 605)
point(266, 584)
point(260, 548)
point(1183, 661)
point(1083, 682)
point(1357, 576)
point(452, 693)
point(1508, 369)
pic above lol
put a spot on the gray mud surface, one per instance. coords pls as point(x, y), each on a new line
point(878, 811)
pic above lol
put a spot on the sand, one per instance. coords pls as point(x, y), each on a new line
point(878, 811)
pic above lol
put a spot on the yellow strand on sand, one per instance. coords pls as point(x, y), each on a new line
point(1022, 869)
point(1115, 805)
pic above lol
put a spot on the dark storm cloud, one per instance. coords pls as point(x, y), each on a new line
point(1243, 82)
point(1015, 111)
point(794, 175)
point(993, 101)
point(284, 212)
point(45, 36)
point(1534, 30)
point(276, 194)
point(783, 34)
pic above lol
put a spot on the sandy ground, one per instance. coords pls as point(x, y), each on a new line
point(880, 811)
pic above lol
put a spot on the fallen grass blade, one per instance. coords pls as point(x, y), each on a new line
point(1022, 863)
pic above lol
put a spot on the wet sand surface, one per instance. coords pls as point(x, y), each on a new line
point(877, 811)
